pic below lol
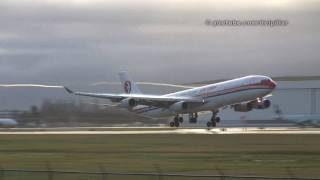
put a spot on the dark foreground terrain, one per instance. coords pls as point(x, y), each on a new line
point(251, 154)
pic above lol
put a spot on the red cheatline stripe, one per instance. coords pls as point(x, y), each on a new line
point(241, 88)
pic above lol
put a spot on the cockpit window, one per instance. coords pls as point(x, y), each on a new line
point(265, 81)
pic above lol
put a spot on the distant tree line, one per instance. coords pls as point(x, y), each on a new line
point(52, 112)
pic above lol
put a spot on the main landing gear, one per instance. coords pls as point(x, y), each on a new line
point(193, 119)
point(214, 119)
point(179, 119)
point(176, 121)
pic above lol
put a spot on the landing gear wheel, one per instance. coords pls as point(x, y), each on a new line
point(213, 119)
point(217, 119)
point(181, 119)
point(209, 124)
point(214, 124)
point(171, 124)
point(176, 124)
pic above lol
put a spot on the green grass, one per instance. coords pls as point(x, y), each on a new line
point(270, 155)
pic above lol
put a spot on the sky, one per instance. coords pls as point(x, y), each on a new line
point(79, 42)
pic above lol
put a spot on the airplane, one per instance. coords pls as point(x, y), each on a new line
point(8, 123)
point(298, 119)
point(242, 94)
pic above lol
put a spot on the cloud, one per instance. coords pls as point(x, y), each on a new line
point(79, 42)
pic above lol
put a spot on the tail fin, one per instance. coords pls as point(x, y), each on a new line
point(128, 85)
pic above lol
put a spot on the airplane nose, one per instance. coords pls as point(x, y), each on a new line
point(272, 84)
point(269, 83)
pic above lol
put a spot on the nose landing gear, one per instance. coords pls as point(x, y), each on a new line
point(214, 119)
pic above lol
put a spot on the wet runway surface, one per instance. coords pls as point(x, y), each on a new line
point(159, 130)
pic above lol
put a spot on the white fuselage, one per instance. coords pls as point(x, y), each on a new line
point(216, 95)
point(8, 123)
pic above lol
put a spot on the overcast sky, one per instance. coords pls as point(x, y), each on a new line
point(85, 41)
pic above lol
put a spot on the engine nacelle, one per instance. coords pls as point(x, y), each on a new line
point(264, 104)
point(128, 103)
point(243, 107)
point(179, 106)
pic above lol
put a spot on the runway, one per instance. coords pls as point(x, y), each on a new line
point(155, 130)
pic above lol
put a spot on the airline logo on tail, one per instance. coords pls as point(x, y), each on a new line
point(127, 87)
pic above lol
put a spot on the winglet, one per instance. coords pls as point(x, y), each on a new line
point(68, 90)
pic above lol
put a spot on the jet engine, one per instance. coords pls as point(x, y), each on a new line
point(243, 107)
point(179, 106)
point(264, 104)
point(128, 103)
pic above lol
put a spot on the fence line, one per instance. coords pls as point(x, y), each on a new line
point(51, 172)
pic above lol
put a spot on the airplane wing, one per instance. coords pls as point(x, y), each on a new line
point(150, 100)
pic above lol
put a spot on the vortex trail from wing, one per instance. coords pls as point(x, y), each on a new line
point(144, 83)
point(29, 85)
point(98, 84)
